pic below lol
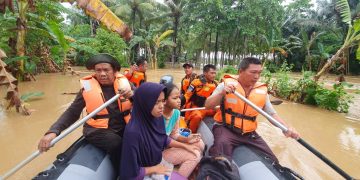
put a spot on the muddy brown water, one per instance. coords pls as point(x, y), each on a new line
point(329, 132)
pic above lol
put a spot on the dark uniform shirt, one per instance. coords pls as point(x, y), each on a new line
point(72, 114)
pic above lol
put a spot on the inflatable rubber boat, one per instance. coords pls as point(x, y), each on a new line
point(83, 161)
point(252, 164)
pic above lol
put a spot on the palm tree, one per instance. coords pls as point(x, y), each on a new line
point(153, 41)
point(176, 7)
point(272, 45)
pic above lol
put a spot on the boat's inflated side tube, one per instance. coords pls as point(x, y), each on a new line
point(252, 163)
point(81, 161)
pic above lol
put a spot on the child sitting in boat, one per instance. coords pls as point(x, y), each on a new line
point(179, 156)
point(145, 136)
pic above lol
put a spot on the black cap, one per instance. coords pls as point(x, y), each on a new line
point(187, 64)
point(103, 58)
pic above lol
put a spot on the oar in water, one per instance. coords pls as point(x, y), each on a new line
point(62, 135)
point(276, 102)
point(301, 141)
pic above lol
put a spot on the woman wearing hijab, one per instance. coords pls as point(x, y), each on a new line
point(145, 137)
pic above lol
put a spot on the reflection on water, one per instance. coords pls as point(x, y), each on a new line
point(329, 132)
point(350, 140)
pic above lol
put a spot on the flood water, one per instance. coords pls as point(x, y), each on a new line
point(329, 132)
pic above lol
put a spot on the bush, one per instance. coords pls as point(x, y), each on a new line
point(111, 43)
point(104, 42)
point(79, 31)
point(305, 89)
point(226, 70)
point(336, 99)
point(282, 86)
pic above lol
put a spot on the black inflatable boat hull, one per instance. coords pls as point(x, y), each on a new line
point(81, 161)
point(252, 164)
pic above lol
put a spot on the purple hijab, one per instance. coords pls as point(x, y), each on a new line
point(144, 137)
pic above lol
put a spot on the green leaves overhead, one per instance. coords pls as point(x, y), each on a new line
point(57, 34)
point(357, 25)
point(344, 11)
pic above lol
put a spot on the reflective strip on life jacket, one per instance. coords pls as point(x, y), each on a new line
point(185, 82)
point(236, 112)
point(202, 91)
point(94, 98)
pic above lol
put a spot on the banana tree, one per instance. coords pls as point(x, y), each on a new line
point(98, 10)
point(153, 41)
point(130, 10)
point(161, 41)
point(56, 33)
point(12, 93)
point(352, 37)
point(272, 46)
point(23, 6)
point(93, 8)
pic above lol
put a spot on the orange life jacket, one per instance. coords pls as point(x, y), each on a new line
point(137, 78)
point(185, 82)
point(202, 90)
point(94, 98)
point(236, 113)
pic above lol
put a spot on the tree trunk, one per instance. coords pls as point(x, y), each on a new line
point(174, 55)
point(21, 34)
point(209, 50)
point(328, 64)
point(133, 17)
point(197, 56)
point(155, 58)
point(346, 63)
point(179, 49)
point(216, 47)
point(150, 56)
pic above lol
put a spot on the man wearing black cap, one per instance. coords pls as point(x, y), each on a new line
point(189, 76)
point(105, 129)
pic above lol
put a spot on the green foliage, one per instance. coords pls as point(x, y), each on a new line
point(344, 9)
point(15, 59)
point(111, 43)
point(164, 54)
point(7, 23)
point(306, 90)
point(272, 67)
point(79, 31)
point(226, 70)
point(103, 42)
point(283, 82)
point(335, 99)
point(30, 96)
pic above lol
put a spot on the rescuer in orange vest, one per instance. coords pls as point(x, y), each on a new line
point(105, 129)
point(195, 96)
point(136, 74)
point(189, 76)
point(235, 122)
